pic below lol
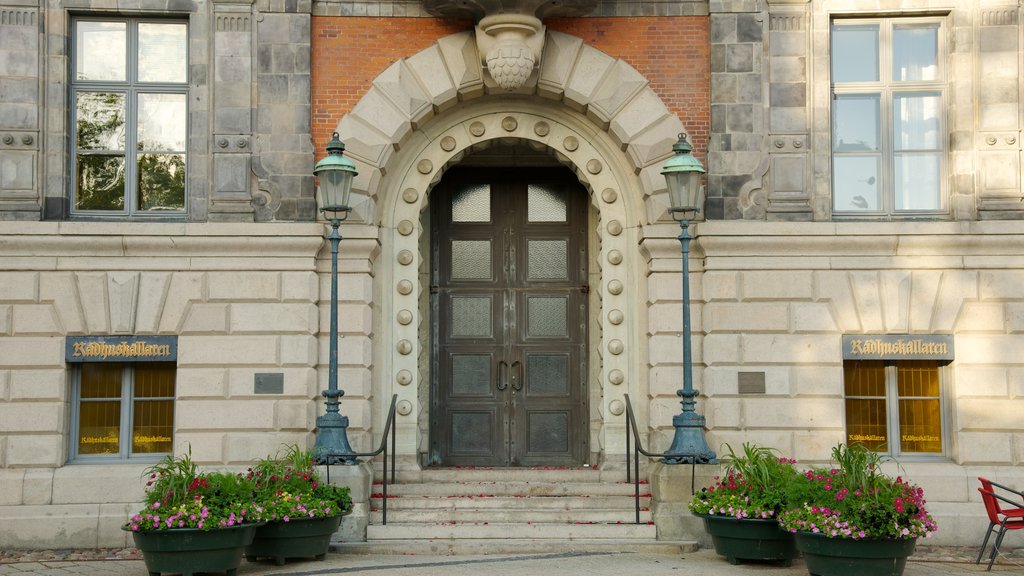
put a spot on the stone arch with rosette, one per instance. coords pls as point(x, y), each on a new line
point(594, 113)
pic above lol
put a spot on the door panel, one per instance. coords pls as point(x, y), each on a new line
point(508, 291)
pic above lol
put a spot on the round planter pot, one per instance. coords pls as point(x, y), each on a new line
point(750, 539)
point(844, 557)
point(299, 538)
point(188, 550)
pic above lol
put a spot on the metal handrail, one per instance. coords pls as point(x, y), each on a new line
point(638, 450)
point(389, 431)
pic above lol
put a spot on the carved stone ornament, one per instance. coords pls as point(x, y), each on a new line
point(511, 45)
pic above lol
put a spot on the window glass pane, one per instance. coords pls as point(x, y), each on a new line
point(547, 375)
point(162, 122)
point(548, 316)
point(864, 378)
point(471, 259)
point(547, 259)
point(99, 427)
point(101, 380)
point(855, 53)
point(471, 374)
point(472, 204)
point(154, 380)
point(855, 125)
point(163, 52)
point(856, 183)
point(917, 182)
point(920, 426)
point(100, 182)
point(545, 204)
point(161, 182)
point(471, 316)
point(152, 426)
point(99, 120)
point(920, 378)
point(866, 424)
point(100, 50)
point(915, 52)
point(916, 121)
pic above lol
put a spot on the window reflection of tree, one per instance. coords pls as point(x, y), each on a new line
point(100, 127)
point(161, 182)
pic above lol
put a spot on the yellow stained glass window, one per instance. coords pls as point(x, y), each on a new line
point(153, 414)
point(125, 409)
point(867, 421)
point(919, 407)
point(893, 406)
point(100, 412)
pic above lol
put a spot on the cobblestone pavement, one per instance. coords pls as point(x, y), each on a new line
point(928, 561)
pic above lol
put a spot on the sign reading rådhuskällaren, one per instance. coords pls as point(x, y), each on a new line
point(121, 349)
point(897, 347)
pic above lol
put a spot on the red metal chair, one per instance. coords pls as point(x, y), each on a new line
point(1006, 518)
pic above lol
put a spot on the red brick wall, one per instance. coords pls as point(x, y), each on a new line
point(672, 53)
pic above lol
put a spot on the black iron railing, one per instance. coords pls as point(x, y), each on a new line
point(633, 473)
point(389, 432)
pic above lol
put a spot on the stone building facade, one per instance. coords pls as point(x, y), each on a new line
point(792, 254)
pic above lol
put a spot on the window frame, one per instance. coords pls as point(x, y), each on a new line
point(131, 87)
point(887, 91)
point(127, 418)
point(892, 411)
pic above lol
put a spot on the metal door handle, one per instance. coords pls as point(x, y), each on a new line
point(502, 375)
point(517, 380)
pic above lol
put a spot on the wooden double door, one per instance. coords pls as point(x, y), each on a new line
point(509, 302)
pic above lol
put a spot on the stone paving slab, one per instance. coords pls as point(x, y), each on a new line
point(931, 561)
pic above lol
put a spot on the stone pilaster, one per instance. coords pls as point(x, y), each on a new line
point(20, 112)
point(997, 94)
point(232, 94)
point(736, 164)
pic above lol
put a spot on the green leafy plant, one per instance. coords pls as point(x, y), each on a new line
point(754, 485)
point(179, 495)
point(288, 486)
point(855, 499)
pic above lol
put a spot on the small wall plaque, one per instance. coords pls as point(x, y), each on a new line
point(268, 383)
point(750, 382)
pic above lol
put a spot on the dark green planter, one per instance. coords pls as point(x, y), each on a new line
point(750, 539)
point(845, 557)
point(188, 550)
point(300, 538)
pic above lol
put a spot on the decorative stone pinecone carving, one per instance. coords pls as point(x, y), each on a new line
point(510, 63)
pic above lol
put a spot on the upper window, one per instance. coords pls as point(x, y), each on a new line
point(888, 125)
point(129, 88)
point(895, 407)
point(122, 411)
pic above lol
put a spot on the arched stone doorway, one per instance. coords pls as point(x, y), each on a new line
point(602, 122)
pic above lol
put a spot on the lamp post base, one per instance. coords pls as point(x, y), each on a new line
point(688, 444)
point(332, 446)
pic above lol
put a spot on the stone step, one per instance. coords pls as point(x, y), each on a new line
point(504, 488)
point(475, 474)
point(484, 546)
point(513, 516)
point(486, 502)
point(517, 531)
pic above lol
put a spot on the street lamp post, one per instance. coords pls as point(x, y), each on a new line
point(683, 174)
point(335, 173)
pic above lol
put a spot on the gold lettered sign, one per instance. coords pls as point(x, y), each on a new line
point(897, 347)
point(121, 349)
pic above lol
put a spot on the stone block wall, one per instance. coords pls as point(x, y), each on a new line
point(775, 299)
point(769, 156)
point(250, 156)
point(242, 299)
